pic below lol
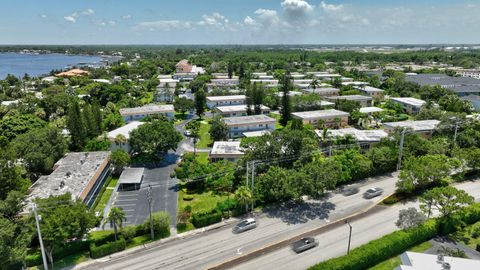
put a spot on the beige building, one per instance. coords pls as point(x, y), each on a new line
point(329, 118)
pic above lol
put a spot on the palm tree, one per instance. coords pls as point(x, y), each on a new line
point(244, 196)
point(120, 139)
point(314, 84)
point(116, 217)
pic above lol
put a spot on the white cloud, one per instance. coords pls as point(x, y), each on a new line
point(127, 17)
point(71, 19)
point(214, 19)
point(88, 12)
point(165, 25)
point(267, 17)
point(296, 6)
point(330, 7)
point(43, 16)
point(249, 21)
point(112, 23)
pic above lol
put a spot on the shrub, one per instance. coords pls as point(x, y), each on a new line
point(108, 248)
point(475, 231)
point(181, 226)
point(33, 259)
point(204, 219)
point(129, 232)
point(101, 237)
point(187, 197)
point(161, 224)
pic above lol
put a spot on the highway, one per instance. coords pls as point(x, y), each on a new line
point(276, 224)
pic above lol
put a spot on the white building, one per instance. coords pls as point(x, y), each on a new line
point(215, 101)
point(363, 100)
point(329, 118)
point(365, 138)
point(122, 132)
point(355, 83)
point(230, 151)
point(238, 110)
point(370, 110)
point(266, 82)
point(371, 91)
point(323, 91)
point(424, 127)
point(138, 113)
point(166, 90)
point(410, 105)
point(421, 261)
point(238, 125)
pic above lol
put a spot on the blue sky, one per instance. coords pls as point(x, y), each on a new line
point(239, 22)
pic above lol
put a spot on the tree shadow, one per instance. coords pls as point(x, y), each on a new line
point(300, 212)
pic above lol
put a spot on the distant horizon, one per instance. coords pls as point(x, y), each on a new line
point(246, 45)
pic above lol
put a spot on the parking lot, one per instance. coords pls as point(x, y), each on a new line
point(164, 193)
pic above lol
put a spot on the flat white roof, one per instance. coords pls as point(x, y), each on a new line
point(421, 261)
point(420, 125)
point(370, 109)
point(147, 109)
point(226, 98)
point(168, 80)
point(125, 130)
point(259, 133)
point(248, 120)
point(369, 89)
point(238, 108)
point(326, 75)
point(226, 148)
point(359, 135)
point(350, 97)
point(290, 93)
point(409, 101)
point(320, 114)
point(131, 176)
point(354, 83)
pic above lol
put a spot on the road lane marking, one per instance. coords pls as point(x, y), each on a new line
point(126, 200)
point(123, 205)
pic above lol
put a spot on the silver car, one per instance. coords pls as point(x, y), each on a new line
point(372, 192)
point(245, 225)
point(304, 244)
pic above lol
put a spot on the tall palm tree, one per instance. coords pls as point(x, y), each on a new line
point(314, 84)
point(116, 217)
point(244, 196)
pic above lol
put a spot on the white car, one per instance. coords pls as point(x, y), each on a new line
point(372, 192)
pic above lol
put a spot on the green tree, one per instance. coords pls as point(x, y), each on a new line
point(446, 200)
point(119, 159)
point(424, 171)
point(155, 138)
point(258, 95)
point(12, 174)
point(218, 130)
point(243, 195)
point(40, 149)
point(161, 224)
point(115, 217)
point(200, 102)
point(183, 105)
point(347, 105)
point(249, 97)
point(409, 218)
point(76, 126)
point(62, 220)
point(286, 108)
point(16, 123)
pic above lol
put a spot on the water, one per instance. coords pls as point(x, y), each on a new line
point(35, 65)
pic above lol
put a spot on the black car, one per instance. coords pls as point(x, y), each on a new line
point(348, 191)
point(304, 244)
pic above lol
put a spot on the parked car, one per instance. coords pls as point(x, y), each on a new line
point(304, 244)
point(187, 133)
point(348, 191)
point(245, 225)
point(372, 192)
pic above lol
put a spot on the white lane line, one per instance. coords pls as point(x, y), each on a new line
point(128, 210)
point(127, 195)
point(126, 200)
point(123, 205)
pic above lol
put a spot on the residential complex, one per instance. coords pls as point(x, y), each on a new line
point(230, 151)
point(238, 110)
point(363, 100)
point(238, 125)
point(410, 105)
point(424, 127)
point(138, 113)
point(329, 118)
point(215, 101)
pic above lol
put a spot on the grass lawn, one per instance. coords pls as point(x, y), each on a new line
point(395, 261)
point(67, 261)
point(465, 236)
point(205, 139)
point(104, 196)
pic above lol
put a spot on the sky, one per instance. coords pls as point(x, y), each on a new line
point(239, 22)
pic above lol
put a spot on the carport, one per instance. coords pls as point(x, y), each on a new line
point(130, 179)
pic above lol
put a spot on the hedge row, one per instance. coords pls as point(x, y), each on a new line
point(107, 249)
point(204, 219)
point(59, 253)
point(393, 244)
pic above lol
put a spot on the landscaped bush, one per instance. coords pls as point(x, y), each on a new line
point(161, 224)
point(181, 226)
point(390, 245)
point(204, 219)
point(106, 249)
point(33, 259)
point(381, 249)
point(187, 197)
point(101, 237)
point(70, 248)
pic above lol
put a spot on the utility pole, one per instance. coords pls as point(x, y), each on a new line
point(400, 150)
point(349, 236)
point(149, 199)
point(42, 249)
point(455, 134)
point(246, 184)
point(253, 181)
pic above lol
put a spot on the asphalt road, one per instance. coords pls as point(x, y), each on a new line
point(334, 243)
point(275, 224)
